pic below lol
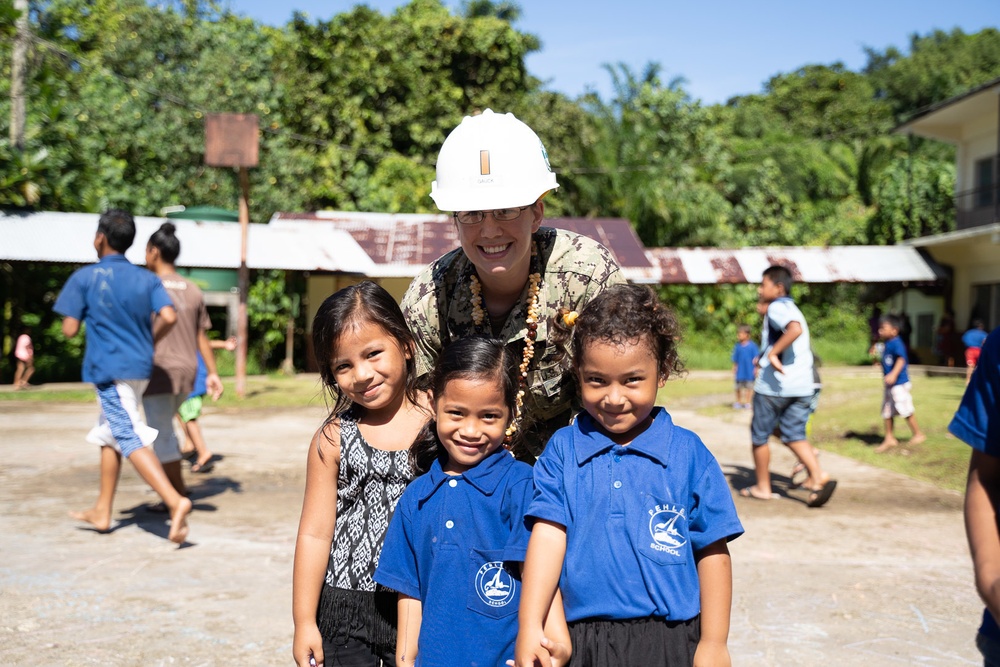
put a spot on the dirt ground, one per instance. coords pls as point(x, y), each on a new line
point(880, 576)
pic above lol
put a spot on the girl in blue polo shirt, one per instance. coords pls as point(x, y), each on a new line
point(457, 538)
point(631, 514)
point(357, 469)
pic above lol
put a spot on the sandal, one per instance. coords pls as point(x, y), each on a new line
point(819, 497)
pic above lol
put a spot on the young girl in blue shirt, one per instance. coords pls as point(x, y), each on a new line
point(358, 466)
point(631, 514)
point(458, 537)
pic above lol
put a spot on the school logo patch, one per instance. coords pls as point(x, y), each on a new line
point(494, 584)
point(665, 524)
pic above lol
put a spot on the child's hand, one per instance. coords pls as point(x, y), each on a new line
point(531, 652)
point(559, 653)
point(307, 647)
point(712, 654)
point(890, 379)
point(775, 362)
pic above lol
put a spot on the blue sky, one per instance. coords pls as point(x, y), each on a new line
point(722, 48)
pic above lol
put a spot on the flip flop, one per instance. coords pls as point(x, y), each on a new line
point(207, 466)
point(819, 497)
point(748, 492)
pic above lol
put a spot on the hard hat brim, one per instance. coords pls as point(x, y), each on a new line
point(488, 199)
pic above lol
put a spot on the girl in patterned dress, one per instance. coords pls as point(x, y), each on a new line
point(357, 470)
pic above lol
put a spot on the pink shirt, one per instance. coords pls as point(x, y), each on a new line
point(23, 350)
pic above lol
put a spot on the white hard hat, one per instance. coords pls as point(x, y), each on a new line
point(491, 161)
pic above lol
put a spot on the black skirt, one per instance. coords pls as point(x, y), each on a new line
point(637, 642)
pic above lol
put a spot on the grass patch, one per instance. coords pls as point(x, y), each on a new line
point(847, 422)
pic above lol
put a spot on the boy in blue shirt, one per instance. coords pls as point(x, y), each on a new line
point(977, 423)
point(973, 340)
point(745, 354)
point(116, 300)
point(896, 400)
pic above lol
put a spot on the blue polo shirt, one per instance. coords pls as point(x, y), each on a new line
point(116, 301)
point(894, 349)
point(744, 356)
point(977, 422)
point(635, 516)
point(454, 543)
point(973, 338)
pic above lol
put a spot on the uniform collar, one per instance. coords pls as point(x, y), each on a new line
point(113, 257)
point(653, 443)
point(485, 477)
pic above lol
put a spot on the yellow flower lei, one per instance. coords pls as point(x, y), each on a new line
point(531, 321)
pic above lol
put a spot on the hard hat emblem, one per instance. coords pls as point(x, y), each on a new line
point(484, 163)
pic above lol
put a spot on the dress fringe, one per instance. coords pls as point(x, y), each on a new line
point(368, 616)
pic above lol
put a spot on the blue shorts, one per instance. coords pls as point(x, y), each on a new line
point(790, 413)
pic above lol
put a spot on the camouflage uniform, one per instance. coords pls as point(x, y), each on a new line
point(574, 269)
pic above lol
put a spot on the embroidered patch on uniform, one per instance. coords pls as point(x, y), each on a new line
point(663, 529)
point(484, 163)
point(494, 584)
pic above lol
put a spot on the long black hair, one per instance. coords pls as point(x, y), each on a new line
point(351, 307)
point(471, 358)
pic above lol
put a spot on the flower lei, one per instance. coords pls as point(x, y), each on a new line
point(531, 321)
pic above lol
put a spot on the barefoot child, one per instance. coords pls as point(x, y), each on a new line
point(459, 531)
point(357, 469)
point(896, 399)
point(744, 358)
point(116, 300)
point(631, 514)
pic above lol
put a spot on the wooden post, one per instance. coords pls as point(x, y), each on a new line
point(231, 140)
point(242, 327)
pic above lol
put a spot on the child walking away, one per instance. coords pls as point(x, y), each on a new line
point(458, 535)
point(783, 391)
point(745, 354)
point(631, 514)
point(896, 399)
point(115, 301)
point(357, 470)
point(973, 340)
point(977, 423)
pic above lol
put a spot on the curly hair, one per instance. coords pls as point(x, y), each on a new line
point(622, 315)
point(471, 358)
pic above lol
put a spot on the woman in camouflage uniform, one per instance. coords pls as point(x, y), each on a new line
point(510, 273)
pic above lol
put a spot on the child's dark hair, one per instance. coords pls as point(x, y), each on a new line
point(165, 240)
point(471, 358)
point(364, 303)
point(743, 328)
point(623, 314)
point(978, 324)
point(894, 321)
point(780, 275)
point(118, 228)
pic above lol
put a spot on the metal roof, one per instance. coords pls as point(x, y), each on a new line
point(851, 264)
point(69, 238)
point(381, 245)
point(402, 244)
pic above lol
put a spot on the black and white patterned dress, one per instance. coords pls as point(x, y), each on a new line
point(369, 485)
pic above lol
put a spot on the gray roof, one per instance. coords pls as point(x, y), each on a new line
point(380, 245)
point(69, 238)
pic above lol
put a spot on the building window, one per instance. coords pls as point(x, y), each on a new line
point(985, 184)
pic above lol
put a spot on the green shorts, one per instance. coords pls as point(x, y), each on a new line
point(190, 409)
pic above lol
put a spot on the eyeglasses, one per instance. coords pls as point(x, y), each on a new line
point(499, 214)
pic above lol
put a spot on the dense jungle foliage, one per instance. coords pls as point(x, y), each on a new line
point(353, 110)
